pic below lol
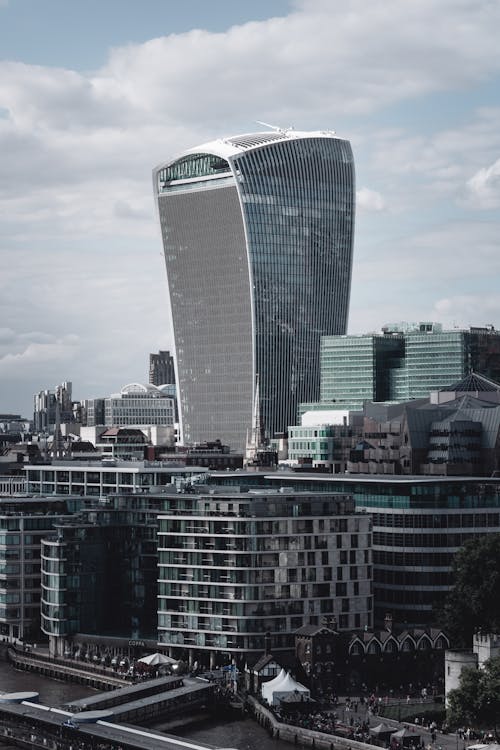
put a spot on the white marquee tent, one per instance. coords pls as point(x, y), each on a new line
point(267, 687)
point(283, 686)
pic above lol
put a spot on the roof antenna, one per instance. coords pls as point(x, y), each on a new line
point(274, 127)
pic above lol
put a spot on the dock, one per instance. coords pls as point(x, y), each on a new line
point(63, 670)
point(32, 725)
point(29, 724)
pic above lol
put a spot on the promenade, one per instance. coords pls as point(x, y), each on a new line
point(61, 669)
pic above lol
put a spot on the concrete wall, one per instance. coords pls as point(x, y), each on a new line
point(301, 736)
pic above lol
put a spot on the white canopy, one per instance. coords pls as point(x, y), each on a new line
point(278, 689)
point(268, 687)
point(154, 660)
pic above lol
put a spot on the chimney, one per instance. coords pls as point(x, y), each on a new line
point(388, 622)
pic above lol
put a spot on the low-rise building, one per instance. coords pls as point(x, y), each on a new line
point(102, 478)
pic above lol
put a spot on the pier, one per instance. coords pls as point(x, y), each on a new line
point(29, 724)
point(32, 725)
point(64, 670)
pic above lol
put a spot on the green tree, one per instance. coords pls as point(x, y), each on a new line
point(473, 604)
point(476, 702)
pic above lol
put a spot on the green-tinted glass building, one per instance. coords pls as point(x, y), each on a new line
point(402, 364)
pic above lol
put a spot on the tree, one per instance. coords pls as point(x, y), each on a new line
point(473, 604)
point(477, 701)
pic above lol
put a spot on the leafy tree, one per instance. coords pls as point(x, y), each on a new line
point(476, 702)
point(473, 605)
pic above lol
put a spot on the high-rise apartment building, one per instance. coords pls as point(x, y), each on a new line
point(403, 363)
point(235, 566)
point(257, 232)
point(161, 368)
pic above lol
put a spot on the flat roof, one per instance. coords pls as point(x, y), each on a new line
point(356, 478)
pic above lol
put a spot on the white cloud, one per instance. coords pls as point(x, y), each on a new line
point(484, 186)
point(28, 351)
point(467, 309)
point(79, 246)
point(369, 200)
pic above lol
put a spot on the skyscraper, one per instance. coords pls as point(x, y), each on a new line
point(161, 368)
point(257, 232)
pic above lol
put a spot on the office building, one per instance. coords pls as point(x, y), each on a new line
point(355, 369)
point(100, 479)
point(139, 405)
point(455, 432)
point(92, 411)
point(258, 233)
point(403, 362)
point(161, 368)
point(46, 404)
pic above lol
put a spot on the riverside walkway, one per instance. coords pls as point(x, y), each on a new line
point(64, 670)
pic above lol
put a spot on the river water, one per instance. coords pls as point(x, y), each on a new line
point(243, 734)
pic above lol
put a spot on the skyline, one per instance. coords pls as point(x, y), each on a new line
point(92, 99)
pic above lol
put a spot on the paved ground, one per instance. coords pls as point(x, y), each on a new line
point(443, 741)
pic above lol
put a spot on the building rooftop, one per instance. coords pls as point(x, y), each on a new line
point(473, 383)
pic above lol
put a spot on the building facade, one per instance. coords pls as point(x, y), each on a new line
point(402, 363)
point(24, 521)
point(99, 576)
point(419, 524)
point(100, 479)
point(161, 368)
point(46, 404)
point(235, 566)
point(139, 405)
point(257, 233)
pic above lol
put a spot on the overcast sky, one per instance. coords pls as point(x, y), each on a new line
point(94, 94)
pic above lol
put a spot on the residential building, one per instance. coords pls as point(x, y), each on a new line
point(235, 566)
point(99, 577)
point(257, 232)
point(24, 521)
point(161, 368)
point(419, 524)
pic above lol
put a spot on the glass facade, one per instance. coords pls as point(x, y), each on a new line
point(259, 268)
point(355, 369)
point(403, 364)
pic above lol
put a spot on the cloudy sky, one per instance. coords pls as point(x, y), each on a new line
point(94, 94)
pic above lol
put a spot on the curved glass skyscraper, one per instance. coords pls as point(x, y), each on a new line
point(258, 233)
